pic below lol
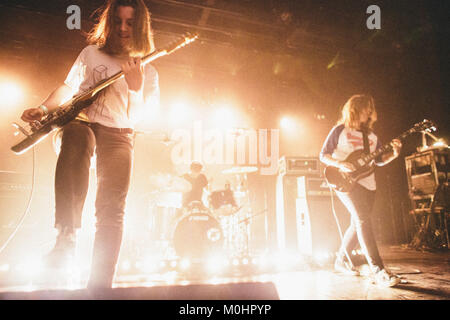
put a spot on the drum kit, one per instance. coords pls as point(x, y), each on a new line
point(198, 230)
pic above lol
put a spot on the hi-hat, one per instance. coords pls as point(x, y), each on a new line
point(240, 170)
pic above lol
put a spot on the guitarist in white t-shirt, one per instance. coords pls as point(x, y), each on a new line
point(354, 132)
point(117, 42)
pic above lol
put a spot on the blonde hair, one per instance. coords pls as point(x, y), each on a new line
point(142, 42)
point(352, 109)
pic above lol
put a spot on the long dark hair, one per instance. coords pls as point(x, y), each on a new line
point(142, 42)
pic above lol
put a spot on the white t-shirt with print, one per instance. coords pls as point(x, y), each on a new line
point(110, 106)
point(342, 141)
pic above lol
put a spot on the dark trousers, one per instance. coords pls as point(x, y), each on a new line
point(114, 152)
point(359, 202)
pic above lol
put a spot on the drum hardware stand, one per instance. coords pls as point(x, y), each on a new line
point(247, 229)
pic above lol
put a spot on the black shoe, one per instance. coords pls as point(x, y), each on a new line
point(63, 254)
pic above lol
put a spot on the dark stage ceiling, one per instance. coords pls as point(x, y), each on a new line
point(310, 52)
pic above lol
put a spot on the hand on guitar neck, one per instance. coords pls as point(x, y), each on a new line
point(33, 114)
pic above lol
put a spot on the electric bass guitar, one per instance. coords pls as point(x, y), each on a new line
point(69, 110)
point(365, 163)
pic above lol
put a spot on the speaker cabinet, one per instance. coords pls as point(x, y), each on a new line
point(305, 219)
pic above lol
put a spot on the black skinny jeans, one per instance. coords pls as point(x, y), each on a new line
point(359, 202)
point(114, 151)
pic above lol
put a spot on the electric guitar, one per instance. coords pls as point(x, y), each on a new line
point(69, 110)
point(365, 163)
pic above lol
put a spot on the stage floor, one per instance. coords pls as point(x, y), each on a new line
point(425, 276)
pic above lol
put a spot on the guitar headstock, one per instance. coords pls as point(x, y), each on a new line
point(186, 39)
point(425, 125)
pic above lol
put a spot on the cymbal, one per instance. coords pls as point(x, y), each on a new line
point(240, 170)
point(169, 183)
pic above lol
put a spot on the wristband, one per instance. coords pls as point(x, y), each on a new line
point(44, 109)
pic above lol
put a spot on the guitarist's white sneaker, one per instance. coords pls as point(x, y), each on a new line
point(385, 278)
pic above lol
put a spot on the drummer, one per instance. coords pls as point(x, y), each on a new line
point(228, 195)
point(198, 182)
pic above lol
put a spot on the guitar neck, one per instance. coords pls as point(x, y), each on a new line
point(387, 147)
point(90, 93)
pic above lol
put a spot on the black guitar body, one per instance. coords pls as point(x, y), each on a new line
point(345, 182)
point(365, 163)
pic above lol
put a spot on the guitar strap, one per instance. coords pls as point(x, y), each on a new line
point(365, 141)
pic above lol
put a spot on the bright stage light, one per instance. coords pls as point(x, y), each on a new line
point(224, 116)
point(151, 264)
point(11, 93)
point(4, 268)
point(126, 265)
point(287, 123)
point(179, 112)
point(138, 265)
point(322, 256)
point(285, 260)
point(185, 264)
point(31, 267)
point(173, 263)
point(263, 261)
point(170, 277)
point(216, 263)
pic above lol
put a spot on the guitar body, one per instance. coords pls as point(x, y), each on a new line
point(53, 121)
point(365, 163)
point(346, 181)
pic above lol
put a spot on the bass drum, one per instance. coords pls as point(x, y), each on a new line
point(197, 236)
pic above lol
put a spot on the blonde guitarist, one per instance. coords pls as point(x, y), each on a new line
point(354, 132)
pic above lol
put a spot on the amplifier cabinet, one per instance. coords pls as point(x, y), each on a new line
point(300, 166)
point(425, 171)
point(305, 219)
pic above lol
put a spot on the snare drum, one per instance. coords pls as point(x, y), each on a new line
point(197, 235)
